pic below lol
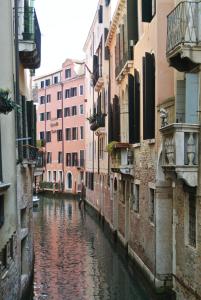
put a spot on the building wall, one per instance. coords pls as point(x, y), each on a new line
point(54, 124)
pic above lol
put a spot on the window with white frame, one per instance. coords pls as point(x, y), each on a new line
point(81, 109)
point(82, 132)
point(49, 157)
point(68, 73)
point(48, 98)
point(42, 116)
point(49, 176)
point(81, 90)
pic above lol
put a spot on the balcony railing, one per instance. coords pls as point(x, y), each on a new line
point(29, 38)
point(98, 121)
point(184, 30)
point(123, 63)
point(180, 151)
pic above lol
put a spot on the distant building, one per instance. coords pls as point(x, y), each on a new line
point(97, 112)
point(19, 55)
point(61, 126)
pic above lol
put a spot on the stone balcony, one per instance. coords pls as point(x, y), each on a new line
point(122, 159)
point(180, 151)
point(184, 36)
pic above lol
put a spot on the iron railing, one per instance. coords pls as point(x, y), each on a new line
point(128, 55)
point(29, 30)
point(183, 25)
point(97, 74)
point(98, 122)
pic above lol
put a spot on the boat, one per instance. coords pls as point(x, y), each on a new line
point(35, 201)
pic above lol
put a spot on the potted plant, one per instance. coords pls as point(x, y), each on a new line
point(6, 103)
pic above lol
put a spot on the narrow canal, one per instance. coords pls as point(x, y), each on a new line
point(74, 260)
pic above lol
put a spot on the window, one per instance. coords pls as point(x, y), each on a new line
point(123, 186)
point(59, 135)
point(47, 82)
point(192, 218)
point(42, 100)
point(73, 92)
point(74, 159)
point(48, 98)
point(68, 73)
point(81, 90)
point(60, 157)
point(67, 112)
point(68, 159)
point(59, 113)
point(81, 109)
point(148, 10)
point(152, 205)
point(67, 93)
point(49, 176)
point(48, 136)
point(56, 80)
point(81, 132)
point(59, 95)
point(81, 158)
point(54, 176)
point(42, 116)
point(48, 115)
point(148, 96)
point(68, 134)
point(1, 210)
point(42, 135)
point(136, 198)
point(74, 133)
point(74, 110)
point(42, 84)
point(60, 176)
point(101, 146)
point(49, 157)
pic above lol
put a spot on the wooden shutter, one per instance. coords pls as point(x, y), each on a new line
point(131, 107)
point(121, 42)
point(132, 20)
point(146, 10)
point(116, 119)
point(136, 107)
point(100, 14)
point(107, 51)
point(148, 96)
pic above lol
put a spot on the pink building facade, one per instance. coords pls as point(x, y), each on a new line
point(60, 126)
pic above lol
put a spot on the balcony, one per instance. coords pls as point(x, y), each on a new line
point(98, 78)
point(184, 36)
point(122, 159)
point(29, 37)
point(124, 65)
point(97, 121)
point(180, 151)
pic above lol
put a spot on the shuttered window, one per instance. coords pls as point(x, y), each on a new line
point(132, 21)
point(148, 96)
point(131, 107)
point(136, 107)
point(116, 119)
point(100, 14)
point(148, 10)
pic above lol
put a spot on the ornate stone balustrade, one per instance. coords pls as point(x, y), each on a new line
point(180, 151)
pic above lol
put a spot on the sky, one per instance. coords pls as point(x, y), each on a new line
point(64, 26)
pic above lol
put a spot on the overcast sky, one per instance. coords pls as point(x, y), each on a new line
point(64, 26)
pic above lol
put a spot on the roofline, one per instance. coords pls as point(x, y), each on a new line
point(115, 19)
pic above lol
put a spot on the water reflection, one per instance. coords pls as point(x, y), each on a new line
point(74, 260)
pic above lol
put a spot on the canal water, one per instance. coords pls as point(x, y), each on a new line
point(74, 259)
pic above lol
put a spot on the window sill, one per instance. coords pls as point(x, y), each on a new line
point(137, 145)
point(151, 141)
point(4, 186)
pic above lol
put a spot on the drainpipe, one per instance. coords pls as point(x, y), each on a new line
point(45, 136)
point(93, 131)
point(63, 135)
